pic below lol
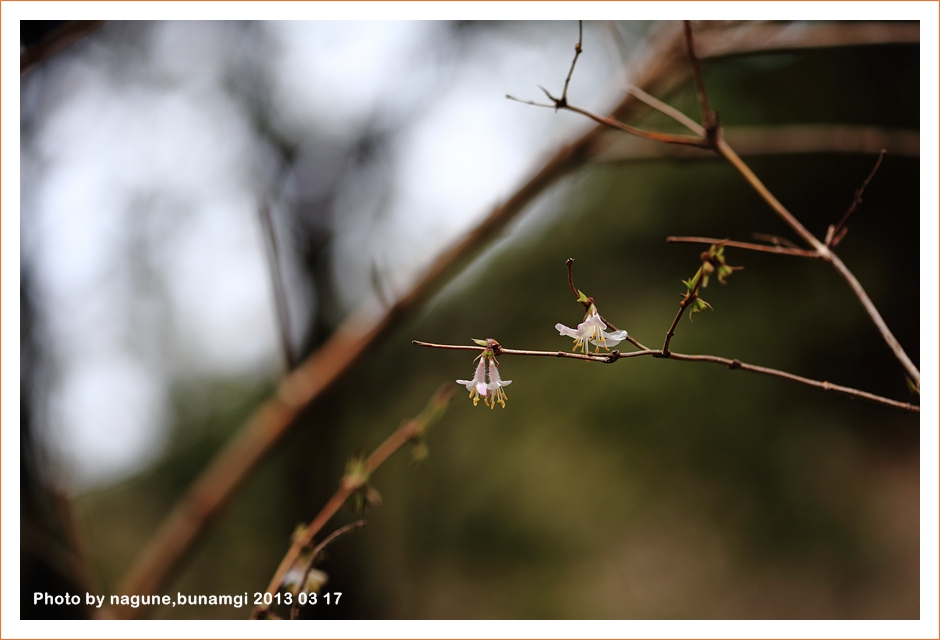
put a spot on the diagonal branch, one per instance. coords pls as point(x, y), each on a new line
point(352, 482)
point(669, 110)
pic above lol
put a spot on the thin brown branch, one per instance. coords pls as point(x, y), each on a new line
point(568, 264)
point(777, 241)
point(315, 555)
point(786, 251)
point(671, 355)
point(669, 138)
point(277, 280)
point(687, 299)
point(819, 384)
point(349, 484)
point(669, 110)
point(708, 116)
point(771, 141)
point(822, 249)
point(729, 154)
point(577, 52)
point(608, 358)
point(587, 301)
point(530, 102)
point(873, 313)
point(826, 254)
point(837, 232)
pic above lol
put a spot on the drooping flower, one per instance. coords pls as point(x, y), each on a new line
point(592, 331)
point(495, 386)
point(486, 383)
point(477, 387)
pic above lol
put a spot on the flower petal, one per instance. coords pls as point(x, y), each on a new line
point(614, 338)
point(592, 320)
point(567, 331)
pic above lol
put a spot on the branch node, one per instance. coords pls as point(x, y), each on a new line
point(494, 346)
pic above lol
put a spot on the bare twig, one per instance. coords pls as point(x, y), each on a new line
point(687, 299)
point(669, 110)
point(607, 358)
point(669, 138)
point(577, 294)
point(786, 251)
point(728, 154)
point(708, 116)
point(589, 301)
point(824, 385)
point(671, 355)
point(577, 52)
point(777, 241)
point(716, 141)
point(407, 432)
point(280, 294)
point(773, 140)
point(315, 555)
point(836, 232)
point(822, 249)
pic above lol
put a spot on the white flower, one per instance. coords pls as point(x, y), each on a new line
point(496, 385)
point(477, 387)
point(486, 383)
point(592, 330)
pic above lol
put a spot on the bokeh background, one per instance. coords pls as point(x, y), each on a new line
point(155, 157)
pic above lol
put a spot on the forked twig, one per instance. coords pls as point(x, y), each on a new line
point(714, 140)
point(410, 430)
point(835, 233)
point(577, 52)
point(587, 301)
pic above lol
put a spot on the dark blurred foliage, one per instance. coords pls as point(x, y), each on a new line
point(643, 489)
point(49, 557)
point(32, 31)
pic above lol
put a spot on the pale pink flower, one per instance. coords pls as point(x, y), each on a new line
point(486, 383)
point(592, 331)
